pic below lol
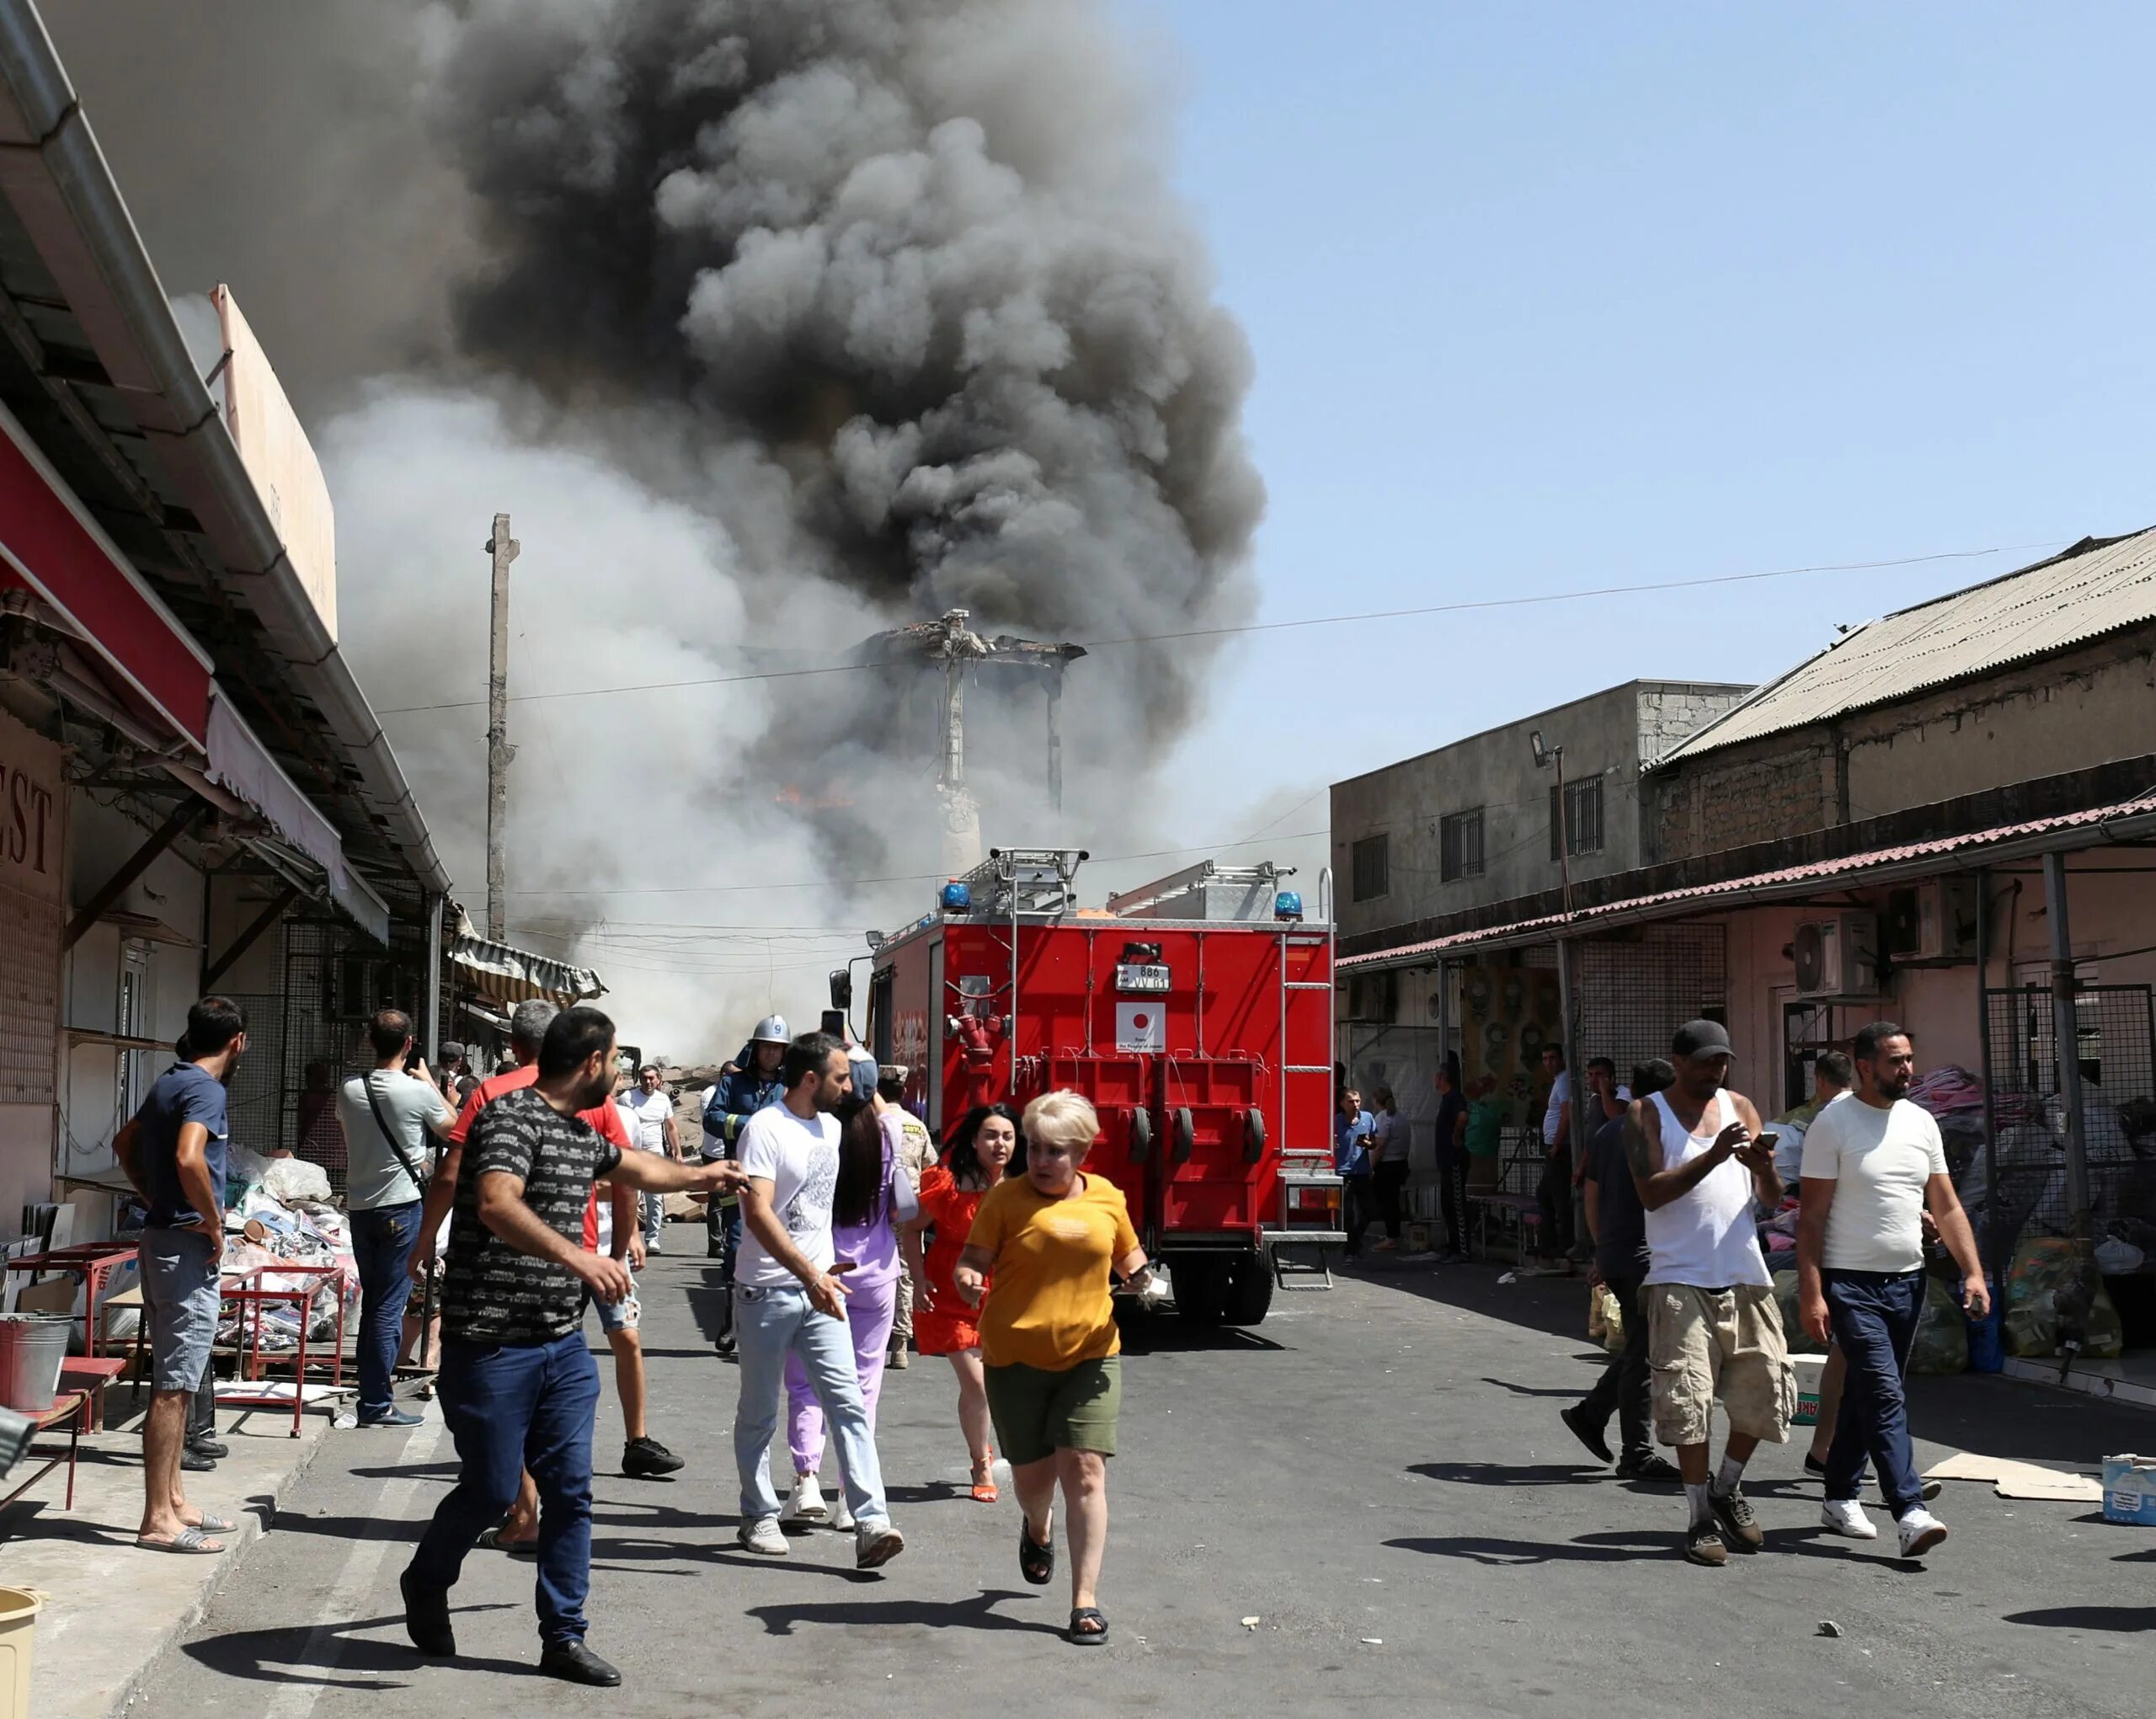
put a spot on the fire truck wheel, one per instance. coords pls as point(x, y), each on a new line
point(1253, 1134)
point(1200, 1283)
point(1250, 1289)
point(1141, 1135)
point(1186, 1135)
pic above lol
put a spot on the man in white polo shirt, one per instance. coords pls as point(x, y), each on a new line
point(1872, 1163)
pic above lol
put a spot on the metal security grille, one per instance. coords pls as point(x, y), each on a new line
point(1371, 859)
point(1635, 991)
point(2116, 1028)
point(1459, 842)
point(29, 997)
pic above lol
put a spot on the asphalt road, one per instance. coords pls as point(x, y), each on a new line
point(1376, 1475)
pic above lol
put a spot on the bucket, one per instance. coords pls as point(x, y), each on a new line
point(1987, 1336)
point(18, 1611)
point(1808, 1369)
point(33, 1349)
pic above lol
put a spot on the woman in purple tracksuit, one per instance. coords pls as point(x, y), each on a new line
point(874, 1199)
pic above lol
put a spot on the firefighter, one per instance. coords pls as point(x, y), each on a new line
point(750, 1082)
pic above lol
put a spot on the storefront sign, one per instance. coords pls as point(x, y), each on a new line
point(30, 806)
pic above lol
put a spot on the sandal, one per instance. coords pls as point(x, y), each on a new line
point(217, 1525)
point(1036, 1561)
point(190, 1542)
point(984, 1491)
point(492, 1539)
point(1086, 1638)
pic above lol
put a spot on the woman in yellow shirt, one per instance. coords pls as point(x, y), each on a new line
point(1049, 1338)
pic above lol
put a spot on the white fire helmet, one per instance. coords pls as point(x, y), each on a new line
point(772, 1030)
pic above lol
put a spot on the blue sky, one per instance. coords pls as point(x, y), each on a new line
point(1550, 296)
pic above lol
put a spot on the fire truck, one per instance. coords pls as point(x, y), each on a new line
point(1196, 1013)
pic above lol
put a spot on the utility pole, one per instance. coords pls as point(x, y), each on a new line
point(503, 548)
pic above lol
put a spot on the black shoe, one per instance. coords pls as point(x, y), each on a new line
point(643, 1458)
point(1589, 1436)
point(724, 1344)
point(193, 1461)
point(573, 1662)
point(426, 1618)
point(1651, 1467)
point(215, 1448)
point(1739, 1523)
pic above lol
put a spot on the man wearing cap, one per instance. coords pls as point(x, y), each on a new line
point(648, 1108)
point(1713, 1327)
point(751, 1082)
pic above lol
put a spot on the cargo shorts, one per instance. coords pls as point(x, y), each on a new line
point(181, 1293)
point(1725, 1343)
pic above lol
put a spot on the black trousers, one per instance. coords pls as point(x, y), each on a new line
point(1357, 1208)
point(1386, 1184)
point(1452, 1179)
point(1553, 1195)
point(1625, 1384)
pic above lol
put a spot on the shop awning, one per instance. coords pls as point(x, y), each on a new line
point(510, 975)
point(49, 546)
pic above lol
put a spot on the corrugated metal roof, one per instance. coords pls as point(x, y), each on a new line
point(2096, 587)
point(1794, 880)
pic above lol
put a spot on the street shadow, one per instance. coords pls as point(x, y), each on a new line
point(976, 1614)
point(2146, 1558)
point(1153, 1334)
point(2118, 1619)
point(336, 1657)
point(1568, 1390)
point(415, 1471)
point(1510, 1474)
point(1628, 1546)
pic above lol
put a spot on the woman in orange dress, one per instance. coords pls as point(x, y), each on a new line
point(979, 1150)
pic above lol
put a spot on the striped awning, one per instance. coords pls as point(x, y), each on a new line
point(510, 975)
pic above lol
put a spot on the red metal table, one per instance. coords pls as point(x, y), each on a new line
point(300, 1283)
point(67, 1403)
point(93, 1261)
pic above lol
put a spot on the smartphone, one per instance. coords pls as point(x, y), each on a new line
point(1766, 1137)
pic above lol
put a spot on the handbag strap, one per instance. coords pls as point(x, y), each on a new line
point(390, 1135)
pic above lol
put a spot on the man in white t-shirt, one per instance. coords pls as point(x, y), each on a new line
point(789, 1301)
point(1872, 1163)
point(649, 1109)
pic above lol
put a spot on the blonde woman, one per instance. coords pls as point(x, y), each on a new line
point(1050, 1239)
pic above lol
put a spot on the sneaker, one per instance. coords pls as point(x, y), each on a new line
point(841, 1518)
point(1653, 1467)
point(1588, 1435)
point(1846, 1517)
point(644, 1458)
point(900, 1356)
point(1740, 1524)
point(806, 1503)
point(654, 1246)
point(393, 1418)
point(193, 1461)
point(1920, 1531)
point(875, 1544)
point(1703, 1545)
point(763, 1538)
point(215, 1448)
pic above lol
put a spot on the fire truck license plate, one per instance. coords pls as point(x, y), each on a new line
point(1146, 978)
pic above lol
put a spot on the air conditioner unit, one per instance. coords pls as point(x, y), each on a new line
point(1838, 957)
point(1935, 921)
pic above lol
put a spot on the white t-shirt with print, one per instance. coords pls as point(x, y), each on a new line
point(801, 1161)
point(1880, 1161)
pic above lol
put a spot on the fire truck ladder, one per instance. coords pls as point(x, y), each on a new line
point(1305, 1167)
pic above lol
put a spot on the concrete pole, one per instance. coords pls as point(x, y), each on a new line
point(503, 548)
point(433, 1040)
point(1055, 738)
point(1575, 1076)
point(2066, 1032)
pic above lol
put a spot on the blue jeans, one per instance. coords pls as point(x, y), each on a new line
point(382, 1241)
point(771, 1326)
point(1875, 1316)
point(512, 1407)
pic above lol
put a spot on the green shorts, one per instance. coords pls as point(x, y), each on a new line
point(1038, 1413)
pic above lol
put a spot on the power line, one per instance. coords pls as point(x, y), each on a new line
point(1458, 608)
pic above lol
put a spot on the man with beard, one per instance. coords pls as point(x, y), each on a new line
point(1872, 1163)
point(518, 1385)
point(173, 1152)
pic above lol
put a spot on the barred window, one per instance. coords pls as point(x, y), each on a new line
point(1459, 842)
point(1371, 862)
point(1581, 819)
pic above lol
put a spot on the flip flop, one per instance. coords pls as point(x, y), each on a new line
point(492, 1539)
point(1088, 1638)
point(1036, 1561)
point(189, 1541)
point(984, 1491)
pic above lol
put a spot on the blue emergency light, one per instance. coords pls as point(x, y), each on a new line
point(1288, 904)
point(957, 899)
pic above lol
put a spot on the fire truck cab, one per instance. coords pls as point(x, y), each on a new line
point(1196, 1013)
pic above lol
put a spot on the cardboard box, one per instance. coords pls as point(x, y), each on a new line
point(2130, 1490)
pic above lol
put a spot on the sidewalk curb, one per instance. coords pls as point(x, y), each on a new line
point(251, 1528)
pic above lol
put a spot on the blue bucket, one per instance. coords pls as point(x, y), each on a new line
point(1987, 1336)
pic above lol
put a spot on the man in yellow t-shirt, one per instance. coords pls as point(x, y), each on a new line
point(1050, 1239)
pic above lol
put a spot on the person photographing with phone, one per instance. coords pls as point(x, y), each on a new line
point(1702, 1170)
point(1872, 1166)
point(790, 1299)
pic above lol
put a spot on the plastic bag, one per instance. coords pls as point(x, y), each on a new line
point(1942, 1340)
point(2042, 1265)
point(290, 1179)
point(1613, 1320)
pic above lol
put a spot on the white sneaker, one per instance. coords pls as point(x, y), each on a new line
point(876, 1543)
point(762, 1538)
point(1846, 1517)
point(806, 1502)
point(841, 1518)
point(654, 1246)
point(1921, 1531)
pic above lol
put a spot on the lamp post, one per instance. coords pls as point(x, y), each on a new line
point(1545, 756)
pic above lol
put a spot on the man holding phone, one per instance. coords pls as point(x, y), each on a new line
point(1871, 1165)
point(789, 1300)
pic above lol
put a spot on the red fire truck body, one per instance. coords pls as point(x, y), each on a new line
point(1196, 1015)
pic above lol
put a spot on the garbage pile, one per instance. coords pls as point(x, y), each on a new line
point(278, 1212)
